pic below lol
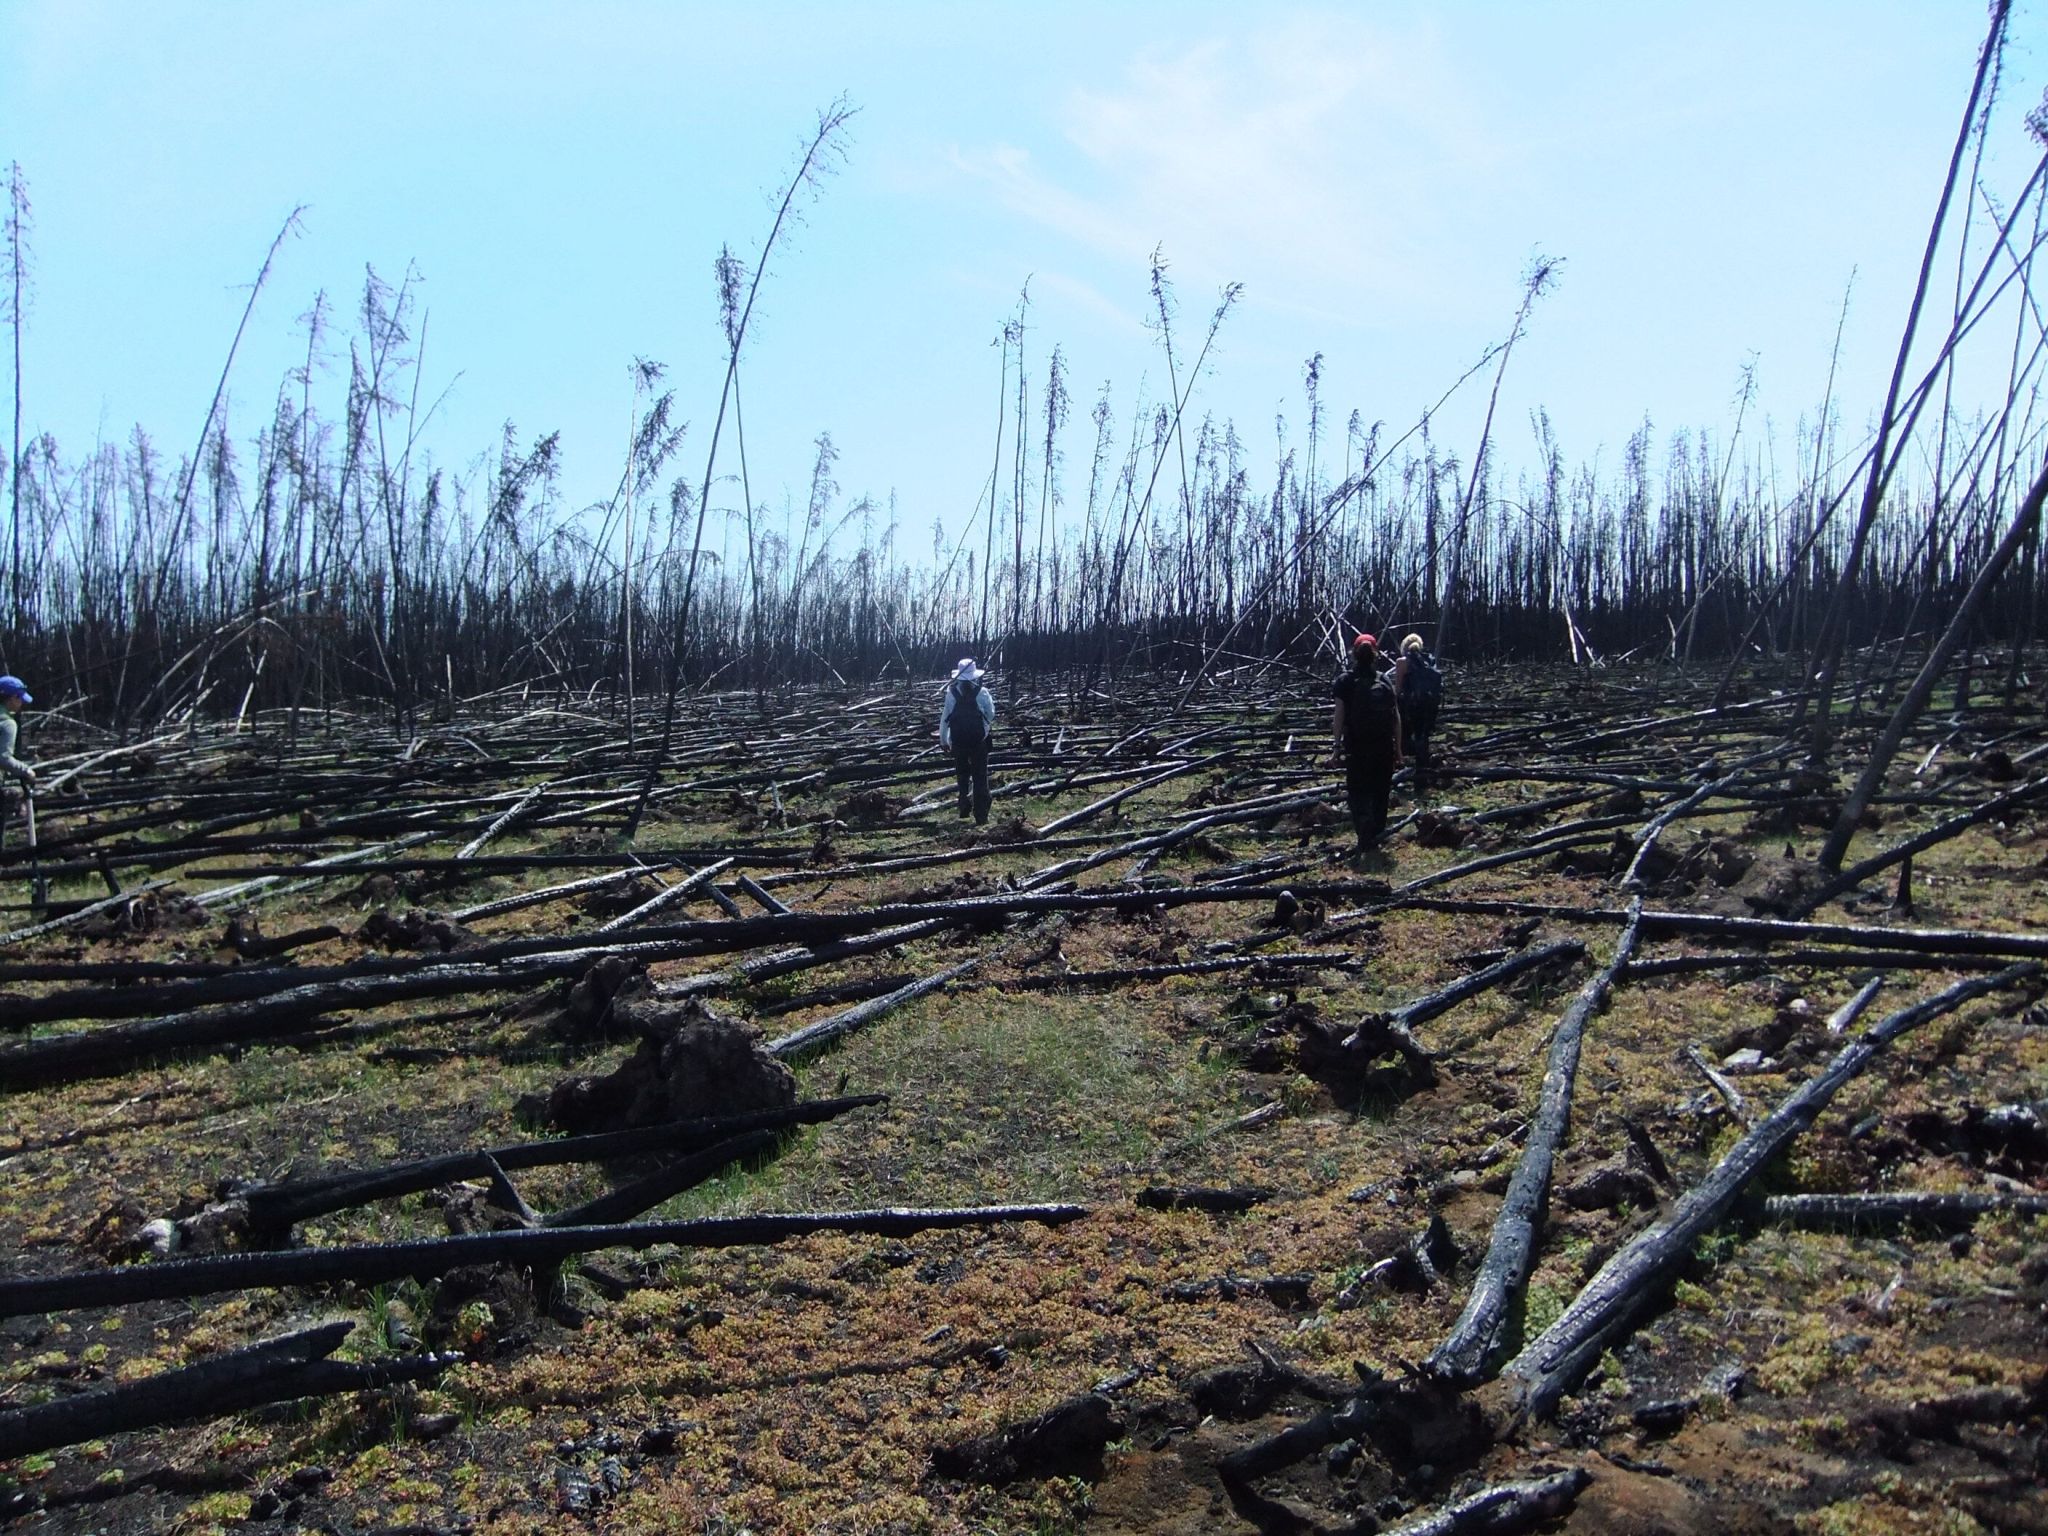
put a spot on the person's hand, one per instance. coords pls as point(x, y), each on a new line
point(28, 778)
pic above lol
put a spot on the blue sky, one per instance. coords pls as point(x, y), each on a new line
point(1377, 177)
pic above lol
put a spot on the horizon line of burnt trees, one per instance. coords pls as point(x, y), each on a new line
point(325, 561)
point(309, 568)
point(312, 582)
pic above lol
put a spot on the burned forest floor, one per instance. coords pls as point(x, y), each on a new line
point(1170, 1011)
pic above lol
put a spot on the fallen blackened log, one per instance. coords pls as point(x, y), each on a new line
point(1554, 1362)
point(511, 814)
point(1117, 797)
point(1444, 999)
point(274, 1371)
point(629, 1201)
point(1130, 975)
point(280, 1206)
point(1067, 1439)
point(1932, 941)
point(1468, 1352)
point(1502, 1509)
point(815, 1036)
point(787, 962)
point(558, 892)
point(1928, 941)
point(825, 997)
point(110, 970)
point(376, 1263)
point(69, 919)
point(511, 963)
point(266, 886)
point(1904, 1207)
point(1496, 860)
point(185, 997)
point(1810, 959)
point(1155, 844)
point(667, 897)
point(87, 1053)
point(1852, 1010)
point(761, 898)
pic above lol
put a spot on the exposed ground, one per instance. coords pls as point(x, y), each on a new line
point(806, 1386)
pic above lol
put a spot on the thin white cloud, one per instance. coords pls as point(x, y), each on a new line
point(1322, 156)
point(1079, 294)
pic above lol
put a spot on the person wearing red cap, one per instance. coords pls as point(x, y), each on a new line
point(1368, 731)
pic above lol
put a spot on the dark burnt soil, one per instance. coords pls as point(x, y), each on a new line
point(1793, 1381)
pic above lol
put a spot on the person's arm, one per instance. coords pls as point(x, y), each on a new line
point(9, 763)
point(1399, 758)
point(946, 719)
point(1337, 727)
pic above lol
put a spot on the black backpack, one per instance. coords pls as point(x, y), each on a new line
point(969, 729)
point(1371, 721)
point(1422, 687)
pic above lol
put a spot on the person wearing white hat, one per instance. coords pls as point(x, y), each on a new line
point(967, 719)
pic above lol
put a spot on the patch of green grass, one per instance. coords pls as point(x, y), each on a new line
point(994, 1097)
point(1542, 1305)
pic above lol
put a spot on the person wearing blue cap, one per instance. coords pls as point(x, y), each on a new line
point(13, 694)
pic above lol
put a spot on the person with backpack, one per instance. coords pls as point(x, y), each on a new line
point(1419, 685)
point(1368, 731)
point(13, 695)
point(967, 719)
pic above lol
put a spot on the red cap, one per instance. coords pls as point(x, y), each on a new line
point(1365, 643)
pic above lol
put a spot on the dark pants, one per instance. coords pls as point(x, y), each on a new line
point(1417, 746)
point(1418, 724)
point(1368, 781)
point(970, 769)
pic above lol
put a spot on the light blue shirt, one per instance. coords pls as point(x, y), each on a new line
point(9, 734)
